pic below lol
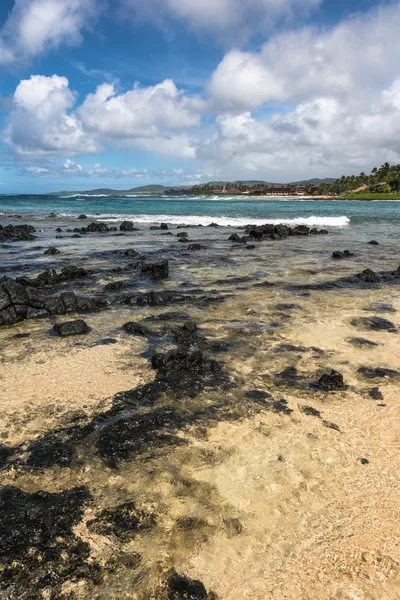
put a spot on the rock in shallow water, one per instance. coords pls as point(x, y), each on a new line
point(359, 342)
point(38, 548)
point(374, 324)
point(137, 329)
point(17, 233)
point(331, 381)
point(157, 270)
point(183, 588)
point(123, 521)
point(377, 372)
point(68, 328)
point(52, 251)
point(341, 254)
point(127, 226)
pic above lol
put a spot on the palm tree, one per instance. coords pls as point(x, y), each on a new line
point(384, 171)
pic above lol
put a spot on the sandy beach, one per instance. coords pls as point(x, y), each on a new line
point(239, 438)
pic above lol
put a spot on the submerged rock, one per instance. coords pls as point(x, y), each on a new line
point(341, 254)
point(380, 307)
point(331, 381)
point(377, 372)
point(183, 588)
point(374, 324)
point(5, 453)
point(236, 238)
point(157, 270)
point(52, 277)
point(137, 329)
point(52, 251)
point(123, 521)
point(360, 342)
point(131, 252)
point(310, 411)
point(369, 276)
point(68, 328)
point(39, 551)
point(374, 393)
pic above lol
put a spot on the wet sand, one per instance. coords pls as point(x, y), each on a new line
point(255, 497)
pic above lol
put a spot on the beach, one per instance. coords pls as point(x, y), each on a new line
point(226, 426)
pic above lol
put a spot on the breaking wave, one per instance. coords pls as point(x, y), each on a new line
point(312, 221)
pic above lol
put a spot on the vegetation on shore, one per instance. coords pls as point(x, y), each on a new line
point(372, 196)
point(382, 182)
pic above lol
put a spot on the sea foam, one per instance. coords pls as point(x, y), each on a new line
point(312, 221)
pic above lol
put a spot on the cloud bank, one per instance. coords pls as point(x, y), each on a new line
point(315, 100)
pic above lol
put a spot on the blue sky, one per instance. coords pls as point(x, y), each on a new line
point(120, 93)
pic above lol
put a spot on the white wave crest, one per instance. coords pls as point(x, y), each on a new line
point(312, 221)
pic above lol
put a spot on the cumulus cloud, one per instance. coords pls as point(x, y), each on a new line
point(45, 121)
point(358, 54)
point(140, 112)
point(34, 26)
point(319, 136)
point(41, 122)
point(229, 19)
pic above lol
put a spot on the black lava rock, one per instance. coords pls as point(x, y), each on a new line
point(182, 588)
point(127, 226)
point(157, 270)
point(137, 329)
point(123, 521)
point(97, 228)
point(38, 548)
point(131, 252)
point(52, 251)
point(359, 342)
point(5, 453)
point(331, 381)
point(17, 233)
point(374, 324)
point(339, 254)
point(82, 217)
point(373, 243)
point(377, 372)
point(375, 393)
point(68, 328)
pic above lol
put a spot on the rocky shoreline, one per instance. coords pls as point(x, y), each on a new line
point(228, 332)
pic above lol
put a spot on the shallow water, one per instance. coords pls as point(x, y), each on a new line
point(257, 499)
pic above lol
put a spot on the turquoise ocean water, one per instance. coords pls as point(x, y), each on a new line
point(384, 215)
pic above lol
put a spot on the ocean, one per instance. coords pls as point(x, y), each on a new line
point(234, 211)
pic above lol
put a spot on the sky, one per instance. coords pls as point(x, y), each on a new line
point(123, 93)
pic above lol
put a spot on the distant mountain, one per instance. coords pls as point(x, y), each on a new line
point(146, 189)
point(315, 180)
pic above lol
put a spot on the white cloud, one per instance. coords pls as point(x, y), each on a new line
point(140, 112)
point(229, 19)
point(357, 55)
point(43, 120)
point(34, 26)
point(320, 137)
